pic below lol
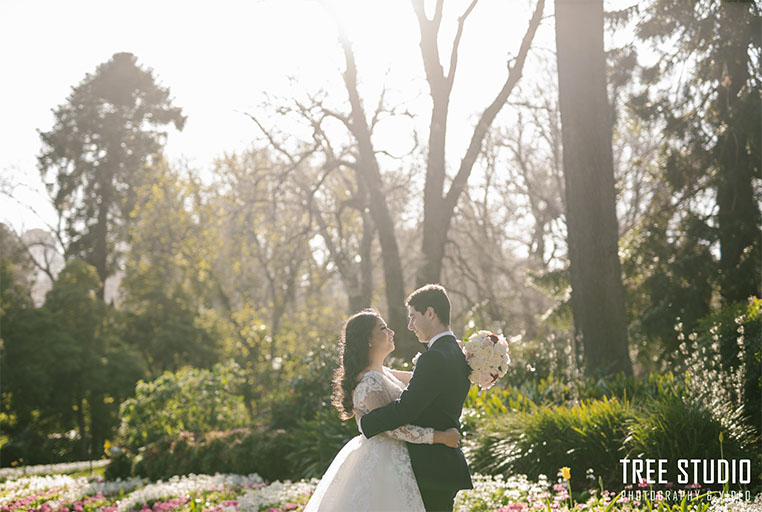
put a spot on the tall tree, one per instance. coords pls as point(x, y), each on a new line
point(439, 205)
point(597, 291)
point(706, 90)
point(105, 138)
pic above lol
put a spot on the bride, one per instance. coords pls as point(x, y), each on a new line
point(372, 474)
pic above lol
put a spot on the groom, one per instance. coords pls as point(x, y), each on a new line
point(433, 398)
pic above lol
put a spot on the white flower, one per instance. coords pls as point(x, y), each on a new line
point(415, 358)
point(183, 486)
point(487, 355)
point(274, 494)
point(49, 469)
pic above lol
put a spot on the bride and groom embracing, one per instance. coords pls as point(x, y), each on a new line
point(407, 458)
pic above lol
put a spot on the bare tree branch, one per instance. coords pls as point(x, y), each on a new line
point(456, 44)
point(491, 112)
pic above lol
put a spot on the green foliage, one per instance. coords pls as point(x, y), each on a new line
point(165, 281)
point(120, 466)
point(242, 451)
point(189, 421)
point(703, 92)
point(19, 268)
point(194, 400)
point(316, 433)
point(675, 428)
point(590, 434)
point(64, 371)
point(314, 443)
point(548, 356)
point(536, 428)
point(557, 391)
point(308, 392)
point(669, 279)
point(104, 141)
point(167, 331)
point(722, 363)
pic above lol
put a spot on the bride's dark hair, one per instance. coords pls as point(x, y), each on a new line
point(353, 358)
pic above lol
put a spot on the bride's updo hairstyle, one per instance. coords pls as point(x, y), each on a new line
point(354, 348)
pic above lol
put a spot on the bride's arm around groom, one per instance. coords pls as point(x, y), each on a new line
point(424, 386)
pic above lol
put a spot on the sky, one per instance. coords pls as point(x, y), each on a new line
point(221, 60)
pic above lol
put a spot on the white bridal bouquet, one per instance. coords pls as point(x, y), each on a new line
point(487, 355)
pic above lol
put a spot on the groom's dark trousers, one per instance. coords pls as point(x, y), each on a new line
point(438, 501)
point(433, 398)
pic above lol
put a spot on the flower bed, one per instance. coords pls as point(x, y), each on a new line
point(238, 493)
point(51, 469)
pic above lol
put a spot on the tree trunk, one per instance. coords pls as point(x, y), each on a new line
point(366, 262)
point(738, 215)
point(100, 246)
point(98, 416)
point(357, 279)
point(368, 171)
point(79, 414)
point(438, 207)
point(393, 277)
point(597, 291)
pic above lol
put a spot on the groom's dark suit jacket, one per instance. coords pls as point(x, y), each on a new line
point(434, 398)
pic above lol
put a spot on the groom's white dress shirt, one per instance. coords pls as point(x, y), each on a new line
point(435, 338)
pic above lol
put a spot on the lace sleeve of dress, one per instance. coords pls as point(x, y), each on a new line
point(372, 393)
point(413, 434)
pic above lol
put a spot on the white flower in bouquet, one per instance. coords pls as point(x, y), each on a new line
point(487, 355)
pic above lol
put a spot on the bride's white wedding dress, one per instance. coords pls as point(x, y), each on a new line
point(373, 474)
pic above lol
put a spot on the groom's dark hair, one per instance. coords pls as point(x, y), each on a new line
point(431, 296)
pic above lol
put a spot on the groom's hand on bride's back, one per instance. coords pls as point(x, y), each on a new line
point(449, 437)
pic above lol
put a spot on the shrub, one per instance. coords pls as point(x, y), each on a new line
point(194, 400)
point(307, 393)
point(725, 358)
point(314, 443)
point(677, 428)
point(590, 434)
point(242, 451)
point(496, 401)
point(120, 464)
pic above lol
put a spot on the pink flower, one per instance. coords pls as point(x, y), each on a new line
point(513, 507)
